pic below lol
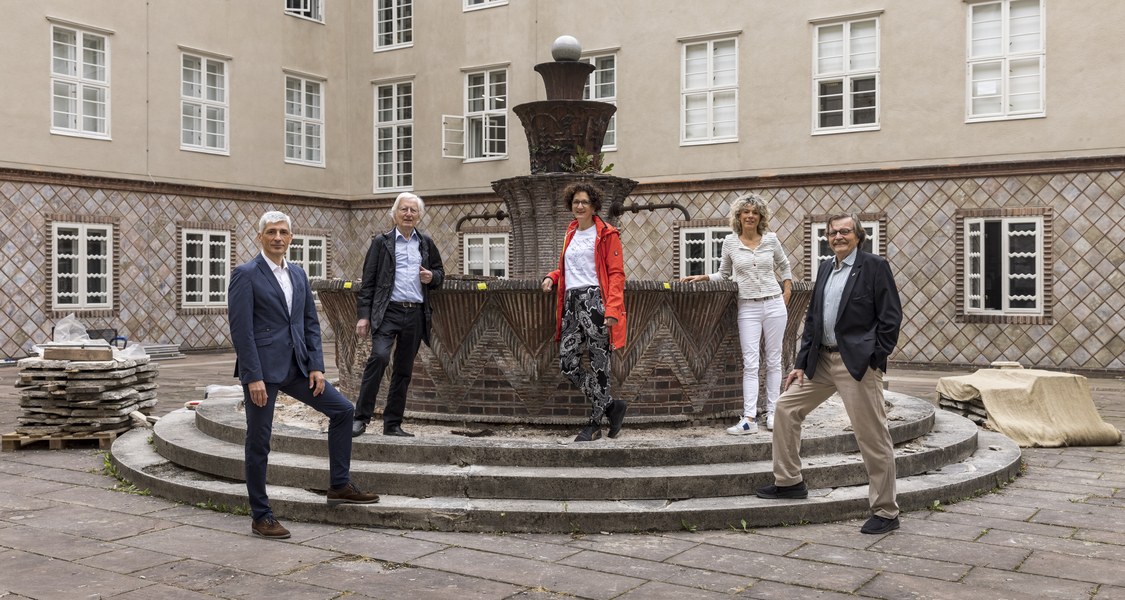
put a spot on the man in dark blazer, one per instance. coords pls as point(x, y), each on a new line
point(851, 328)
point(401, 267)
point(276, 338)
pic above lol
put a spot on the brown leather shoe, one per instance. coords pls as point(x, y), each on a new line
point(350, 494)
point(268, 527)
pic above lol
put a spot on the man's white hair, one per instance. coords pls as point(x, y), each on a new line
point(274, 216)
point(408, 196)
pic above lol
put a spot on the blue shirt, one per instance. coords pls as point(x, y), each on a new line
point(833, 294)
point(408, 262)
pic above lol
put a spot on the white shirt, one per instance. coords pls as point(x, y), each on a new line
point(281, 273)
point(754, 270)
point(579, 260)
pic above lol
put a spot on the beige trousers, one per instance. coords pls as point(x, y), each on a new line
point(863, 401)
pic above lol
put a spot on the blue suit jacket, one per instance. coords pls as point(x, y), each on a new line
point(868, 322)
point(267, 337)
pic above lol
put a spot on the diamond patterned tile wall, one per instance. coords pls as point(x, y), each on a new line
point(1087, 332)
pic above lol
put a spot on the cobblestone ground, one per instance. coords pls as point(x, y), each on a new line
point(65, 532)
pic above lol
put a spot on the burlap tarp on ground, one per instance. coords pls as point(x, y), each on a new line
point(1035, 408)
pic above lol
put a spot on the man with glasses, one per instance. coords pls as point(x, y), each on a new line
point(401, 267)
point(851, 328)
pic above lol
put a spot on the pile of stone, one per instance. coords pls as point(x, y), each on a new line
point(972, 409)
point(76, 397)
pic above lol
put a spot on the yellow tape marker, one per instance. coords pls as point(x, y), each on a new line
point(667, 285)
point(482, 286)
point(347, 285)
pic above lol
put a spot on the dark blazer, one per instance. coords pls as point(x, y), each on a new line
point(265, 335)
point(379, 278)
point(868, 322)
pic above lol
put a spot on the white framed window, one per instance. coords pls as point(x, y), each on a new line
point(602, 87)
point(204, 110)
point(820, 251)
point(846, 76)
point(311, 253)
point(394, 136)
point(79, 82)
point(205, 267)
point(486, 254)
point(479, 4)
point(83, 265)
point(308, 9)
point(1007, 59)
point(394, 24)
point(1003, 260)
point(482, 132)
point(709, 92)
point(304, 121)
point(701, 249)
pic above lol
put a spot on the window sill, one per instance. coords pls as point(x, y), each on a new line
point(733, 140)
point(301, 163)
point(846, 130)
point(205, 150)
point(105, 137)
point(1000, 318)
point(993, 118)
point(393, 47)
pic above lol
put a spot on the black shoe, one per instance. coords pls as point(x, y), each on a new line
point(396, 431)
point(358, 427)
point(797, 491)
point(589, 433)
point(877, 525)
point(616, 414)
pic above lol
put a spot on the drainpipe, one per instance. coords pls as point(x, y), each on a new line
point(499, 215)
point(618, 208)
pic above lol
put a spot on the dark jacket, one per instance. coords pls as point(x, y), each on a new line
point(868, 322)
point(379, 278)
point(267, 337)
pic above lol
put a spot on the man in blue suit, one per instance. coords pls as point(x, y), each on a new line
point(276, 337)
point(851, 328)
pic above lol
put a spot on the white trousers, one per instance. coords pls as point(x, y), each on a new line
point(757, 320)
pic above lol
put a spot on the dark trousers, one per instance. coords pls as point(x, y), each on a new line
point(401, 329)
point(259, 427)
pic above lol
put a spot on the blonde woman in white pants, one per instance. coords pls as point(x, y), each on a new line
point(753, 258)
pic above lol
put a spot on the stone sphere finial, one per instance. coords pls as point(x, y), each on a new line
point(566, 48)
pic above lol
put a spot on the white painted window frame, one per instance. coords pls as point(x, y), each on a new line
point(596, 90)
point(84, 233)
point(712, 243)
point(301, 251)
point(304, 121)
point(848, 74)
point(490, 244)
point(213, 267)
point(470, 5)
point(489, 120)
point(205, 105)
point(82, 77)
point(1009, 48)
point(394, 124)
point(312, 10)
point(708, 91)
point(394, 19)
point(977, 265)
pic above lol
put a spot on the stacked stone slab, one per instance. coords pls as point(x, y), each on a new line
point(83, 397)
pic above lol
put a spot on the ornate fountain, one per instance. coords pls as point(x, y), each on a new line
point(493, 355)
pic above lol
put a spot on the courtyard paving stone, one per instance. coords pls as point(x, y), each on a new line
point(1058, 531)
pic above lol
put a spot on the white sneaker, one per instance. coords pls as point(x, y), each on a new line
point(744, 426)
point(769, 421)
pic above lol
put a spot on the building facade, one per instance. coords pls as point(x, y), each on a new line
point(981, 142)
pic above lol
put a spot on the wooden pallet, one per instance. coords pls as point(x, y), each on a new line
point(60, 441)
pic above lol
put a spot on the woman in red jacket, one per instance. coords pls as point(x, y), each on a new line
point(590, 284)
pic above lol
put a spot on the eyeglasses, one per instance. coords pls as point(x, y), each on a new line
point(580, 203)
point(835, 232)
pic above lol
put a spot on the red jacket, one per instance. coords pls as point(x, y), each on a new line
point(610, 266)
